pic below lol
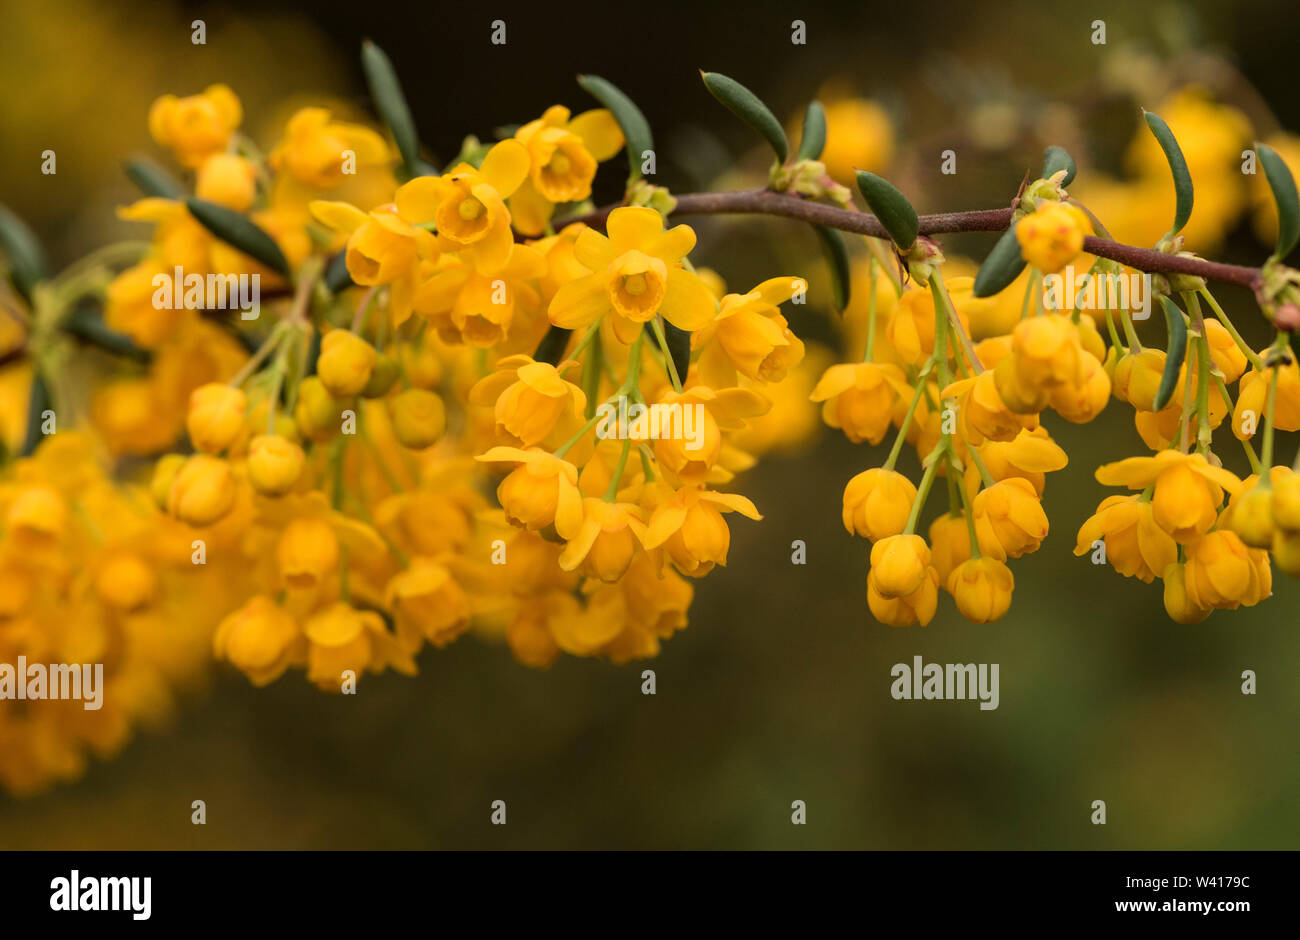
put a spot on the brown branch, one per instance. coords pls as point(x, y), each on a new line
point(767, 202)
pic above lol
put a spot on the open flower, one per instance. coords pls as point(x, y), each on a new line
point(1136, 546)
point(637, 272)
point(541, 491)
point(563, 153)
point(195, 126)
point(690, 527)
point(754, 335)
point(610, 536)
point(529, 398)
point(1188, 489)
point(862, 398)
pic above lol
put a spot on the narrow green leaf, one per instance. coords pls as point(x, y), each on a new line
point(88, 326)
point(337, 277)
point(890, 207)
point(679, 347)
point(1056, 159)
point(37, 404)
point(1001, 267)
point(386, 91)
point(747, 106)
point(1177, 330)
point(151, 179)
point(837, 256)
point(636, 129)
point(22, 252)
point(812, 141)
point(239, 232)
point(1282, 183)
point(1177, 166)
point(552, 346)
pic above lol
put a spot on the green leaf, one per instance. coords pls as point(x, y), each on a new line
point(812, 141)
point(386, 90)
point(747, 106)
point(1177, 166)
point(636, 129)
point(1001, 267)
point(1282, 183)
point(837, 257)
point(337, 277)
point(1056, 159)
point(37, 404)
point(151, 179)
point(22, 253)
point(88, 327)
point(890, 207)
point(1177, 329)
point(239, 232)
point(552, 346)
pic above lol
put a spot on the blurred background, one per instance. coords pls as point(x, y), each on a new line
point(779, 689)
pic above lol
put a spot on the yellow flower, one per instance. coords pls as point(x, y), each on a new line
point(196, 126)
point(1135, 545)
point(1286, 500)
point(754, 335)
point(1031, 454)
point(981, 413)
point(129, 305)
point(899, 564)
point(202, 491)
point(228, 180)
point(540, 492)
point(468, 205)
point(637, 272)
point(345, 363)
point(427, 602)
point(691, 528)
point(1082, 400)
point(1009, 519)
point(917, 607)
point(609, 537)
point(1253, 398)
point(1188, 489)
point(1137, 378)
point(275, 464)
point(949, 543)
point(1250, 511)
point(982, 589)
point(1046, 351)
point(216, 416)
point(344, 639)
point(877, 503)
point(1178, 603)
point(317, 414)
point(862, 399)
point(859, 136)
point(1224, 352)
point(563, 154)
point(307, 553)
point(465, 306)
point(529, 398)
point(259, 639)
point(314, 149)
point(1222, 573)
point(1052, 237)
point(419, 417)
point(126, 582)
point(692, 459)
point(382, 248)
point(911, 327)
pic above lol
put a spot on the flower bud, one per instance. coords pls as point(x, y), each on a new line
point(260, 639)
point(202, 491)
point(982, 589)
point(317, 413)
point(228, 180)
point(877, 503)
point(164, 472)
point(1251, 517)
point(274, 464)
point(1286, 502)
point(216, 416)
point(125, 582)
point(898, 565)
point(1178, 604)
point(419, 418)
point(345, 363)
point(382, 376)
